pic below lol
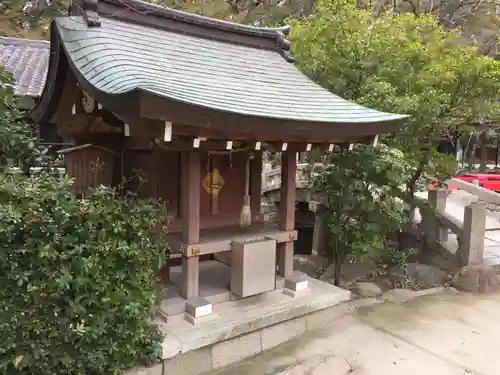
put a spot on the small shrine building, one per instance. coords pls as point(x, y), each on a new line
point(181, 107)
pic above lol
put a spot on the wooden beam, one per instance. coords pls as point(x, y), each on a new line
point(156, 107)
point(181, 143)
point(287, 211)
point(190, 213)
point(221, 245)
point(83, 124)
point(138, 144)
point(155, 129)
point(62, 114)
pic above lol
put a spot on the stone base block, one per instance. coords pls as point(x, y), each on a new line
point(201, 320)
point(295, 294)
point(197, 309)
point(297, 282)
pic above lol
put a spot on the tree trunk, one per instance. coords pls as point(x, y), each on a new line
point(338, 257)
point(472, 157)
point(498, 152)
point(483, 143)
point(337, 271)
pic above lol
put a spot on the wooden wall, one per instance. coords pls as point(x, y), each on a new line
point(157, 174)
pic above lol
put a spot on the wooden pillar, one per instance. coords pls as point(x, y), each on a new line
point(256, 184)
point(471, 245)
point(287, 211)
point(190, 213)
point(437, 199)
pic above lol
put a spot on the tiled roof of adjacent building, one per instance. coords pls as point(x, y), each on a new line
point(28, 61)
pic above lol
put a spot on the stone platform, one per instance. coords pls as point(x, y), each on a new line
point(242, 328)
point(214, 286)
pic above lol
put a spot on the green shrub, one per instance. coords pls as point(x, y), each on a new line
point(359, 187)
point(78, 279)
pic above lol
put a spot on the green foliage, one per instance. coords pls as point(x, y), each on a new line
point(255, 12)
point(79, 276)
point(16, 143)
point(78, 279)
point(29, 18)
point(393, 258)
point(404, 64)
point(358, 187)
point(32, 18)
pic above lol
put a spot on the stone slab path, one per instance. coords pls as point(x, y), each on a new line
point(442, 334)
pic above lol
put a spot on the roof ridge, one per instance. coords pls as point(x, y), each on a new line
point(91, 10)
point(24, 42)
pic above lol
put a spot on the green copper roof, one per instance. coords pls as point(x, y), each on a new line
point(119, 57)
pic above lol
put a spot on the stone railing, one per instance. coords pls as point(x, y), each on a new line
point(434, 229)
point(271, 177)
point(490, 198)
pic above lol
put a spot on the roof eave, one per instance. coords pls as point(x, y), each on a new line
point(157, 107)
point(46, 106)
point(25, 102)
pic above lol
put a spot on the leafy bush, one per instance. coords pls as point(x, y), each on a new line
point(16, 142)
point(78, 278)
point(359, 189)
point(406, 64)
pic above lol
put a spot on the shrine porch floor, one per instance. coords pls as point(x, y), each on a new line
point(241, 328)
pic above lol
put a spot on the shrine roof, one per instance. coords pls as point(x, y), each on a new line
point(28, 61)
point(119, 49)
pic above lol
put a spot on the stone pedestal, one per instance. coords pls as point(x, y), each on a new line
point(296, 284)
point(197, 309)
point(318, 245)
point(253, 268)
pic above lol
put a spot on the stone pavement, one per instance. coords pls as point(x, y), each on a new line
point(442, 334)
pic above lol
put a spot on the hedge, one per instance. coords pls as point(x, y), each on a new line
point(78, 279)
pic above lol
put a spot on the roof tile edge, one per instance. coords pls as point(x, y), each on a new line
point(14, 41)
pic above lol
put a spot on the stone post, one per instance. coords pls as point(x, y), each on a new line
point(437, 199)
point(319, 232)
point(471, 245)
